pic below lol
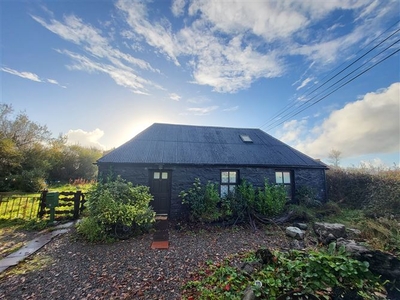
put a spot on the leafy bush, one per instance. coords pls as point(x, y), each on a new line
point(116, 202)
point(248, 203)
point(307, 196)
point(205, 205)
point(378, 192)
point(203, 201)
point(317, 272)
point(271, 200)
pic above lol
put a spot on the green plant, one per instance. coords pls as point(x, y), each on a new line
point(315, 272)
point(91, 229)
point(116, 202)
point(307, 196)
point(203, 201)
point(270, 200)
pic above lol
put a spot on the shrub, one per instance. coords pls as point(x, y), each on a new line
point(377, 192)
point(116, 202)
point(271, 200)
point(205, 205)
point(92, 230)
point(203, 201)
point(319, 273)
point(307, 196)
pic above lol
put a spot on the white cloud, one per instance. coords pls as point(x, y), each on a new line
point(304, 83)
point(31, 76)
point(228, 45)
point(121, 67)
point(292, 131)
point(178, 7)
point(174, 97)
point(157, 34)
point(199, 100)
point(85, 138)
point(366, 126)
point(200, 111)
point(53, 81)
point(233, 108)
point(26, 75)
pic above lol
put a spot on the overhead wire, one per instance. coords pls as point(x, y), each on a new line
point(347, 82)
point(292, 108)
point(291, 114)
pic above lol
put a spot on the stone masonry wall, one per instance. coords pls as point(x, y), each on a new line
point(184, 176)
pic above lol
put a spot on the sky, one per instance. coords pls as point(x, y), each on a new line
point(318, 75)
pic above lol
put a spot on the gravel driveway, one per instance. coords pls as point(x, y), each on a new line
point(68, 268)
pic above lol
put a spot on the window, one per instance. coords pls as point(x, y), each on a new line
point(229, 181)
point(245, 138)
point(162, 175)
point(284, 178)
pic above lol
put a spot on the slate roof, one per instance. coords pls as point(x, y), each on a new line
point(186, 144)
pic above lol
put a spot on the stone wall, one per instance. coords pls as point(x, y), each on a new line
point(184, 176)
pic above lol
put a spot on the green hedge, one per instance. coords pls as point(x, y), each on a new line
point(378, 193)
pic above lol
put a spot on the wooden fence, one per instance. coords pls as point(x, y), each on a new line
point(70, 205)
point(18, 207)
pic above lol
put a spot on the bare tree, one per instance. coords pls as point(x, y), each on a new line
point(335, 157)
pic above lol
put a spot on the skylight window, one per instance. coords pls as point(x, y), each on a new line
point(245, 138)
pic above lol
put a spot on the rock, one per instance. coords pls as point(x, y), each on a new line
point(249, 294)
point(351, 246)
point(381, 263)
point(354, 232)
point(302, 226)
point(296, 245)
point(295, 232)
point(328, 232)
point(247, 268)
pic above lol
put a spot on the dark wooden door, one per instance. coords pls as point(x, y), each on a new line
point(160, 188)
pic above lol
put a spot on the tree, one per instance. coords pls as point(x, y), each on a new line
point(29, 155)
point(335, 157)
point(22, 131)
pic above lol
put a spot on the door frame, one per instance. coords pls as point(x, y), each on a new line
point(169, 186)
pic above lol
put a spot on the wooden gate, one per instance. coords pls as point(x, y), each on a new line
point(70, 205)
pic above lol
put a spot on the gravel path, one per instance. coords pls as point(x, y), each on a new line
point(68, 268)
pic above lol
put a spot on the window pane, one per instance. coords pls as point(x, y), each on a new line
point(164, 175)
point(224, 190)
point(286, 177)
point(224, 177)
point(156, 175)
point(232, 188)
point(232, 177)
point(278, 177)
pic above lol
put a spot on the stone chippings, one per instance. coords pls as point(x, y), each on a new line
point(128, 269)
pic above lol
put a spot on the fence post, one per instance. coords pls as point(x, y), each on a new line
point(42, 204)
point(83, 201)
point(77, 200)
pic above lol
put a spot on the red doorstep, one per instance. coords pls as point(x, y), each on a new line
point(160, 245)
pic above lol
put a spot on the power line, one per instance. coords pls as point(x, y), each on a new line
point(347, 82)
point(292, 113)
point(290, 106)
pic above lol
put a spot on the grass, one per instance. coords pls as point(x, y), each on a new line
point(31, 264)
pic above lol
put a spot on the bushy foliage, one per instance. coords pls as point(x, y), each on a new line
point(307, 196)
point(202, 201)
point(205, 204)
point(318, 273)
point(29, 156)
point(116, 202)
point(270, 200)
point(377, 192)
